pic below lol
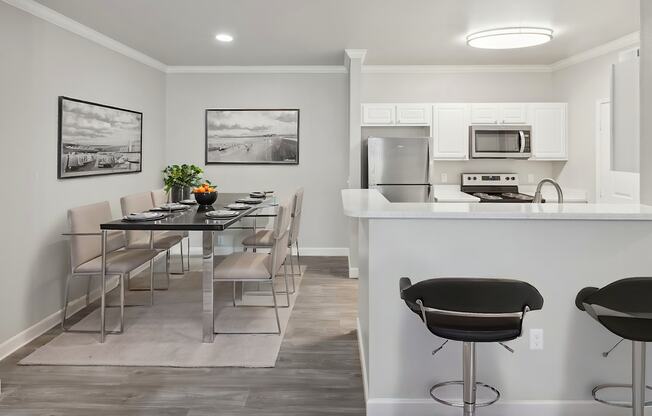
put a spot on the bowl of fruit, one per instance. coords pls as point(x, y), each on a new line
point(205, 194)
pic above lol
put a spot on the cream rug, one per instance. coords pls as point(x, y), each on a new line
point(169, 333)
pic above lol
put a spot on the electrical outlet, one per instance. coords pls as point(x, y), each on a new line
point(536, 339)
point(530, 178)
point(444, 178)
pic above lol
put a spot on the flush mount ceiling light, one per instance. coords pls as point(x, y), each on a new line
point(224, 37)
point(509, 38)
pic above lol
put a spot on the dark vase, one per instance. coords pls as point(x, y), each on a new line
point(179, 193)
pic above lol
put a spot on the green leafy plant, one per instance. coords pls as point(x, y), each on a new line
point(181, 175)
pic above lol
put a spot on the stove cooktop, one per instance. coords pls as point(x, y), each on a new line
point(494, 187)
point(514, 197)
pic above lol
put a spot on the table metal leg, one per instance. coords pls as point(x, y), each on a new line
point(103, 289)
point(207, 287)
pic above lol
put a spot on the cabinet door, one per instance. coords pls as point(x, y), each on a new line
point(450, 131)
point(380, 114)
point(486, 113)
point(513, 113)
point(413, 114)
point(549, 138)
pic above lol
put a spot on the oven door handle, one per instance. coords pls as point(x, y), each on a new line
point(521, 141)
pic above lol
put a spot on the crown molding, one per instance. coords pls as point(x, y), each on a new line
point(49, 15)
point(350, 54)
point(254, 69)
point(451, 69)
point(616, 45)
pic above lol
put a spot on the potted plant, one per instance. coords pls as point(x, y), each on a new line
point(179, 179)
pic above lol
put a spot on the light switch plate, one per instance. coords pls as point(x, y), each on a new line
point(444, 178)
point(536, 339)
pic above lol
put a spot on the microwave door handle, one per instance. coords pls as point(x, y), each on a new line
point(521, 140)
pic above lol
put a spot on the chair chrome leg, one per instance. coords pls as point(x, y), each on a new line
point(88, 291)
point(233, 297)
point(468, 376)
point(64, 311)
point(285, 278)
point(103, 289)
point(294, 289)
point(183, 268)
point(188, 255)
point(638, 378)
point(121, 280)
point(278, 321)
point(298, 256)
point(151, 282)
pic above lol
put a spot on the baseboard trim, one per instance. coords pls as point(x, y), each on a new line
point(363, 360)
point(428, 407)
point(30, 334)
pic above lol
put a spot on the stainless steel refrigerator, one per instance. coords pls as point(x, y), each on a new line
point(399, 168)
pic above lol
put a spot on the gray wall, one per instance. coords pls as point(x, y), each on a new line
point(646, 102)
point(39, 62)
point(581, 86)
point(323, 140)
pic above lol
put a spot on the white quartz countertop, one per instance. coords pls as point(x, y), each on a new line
point(452, 193)
point(369, 203)
point(550, 194)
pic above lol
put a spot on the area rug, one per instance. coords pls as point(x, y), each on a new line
point(169, 333)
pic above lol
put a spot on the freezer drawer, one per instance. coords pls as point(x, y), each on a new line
point(405, 193)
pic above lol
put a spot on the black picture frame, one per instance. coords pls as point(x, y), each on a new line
point(293, 162)
point(64, 173)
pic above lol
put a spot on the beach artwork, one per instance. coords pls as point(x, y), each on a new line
point(95, 139)
point(252, 136)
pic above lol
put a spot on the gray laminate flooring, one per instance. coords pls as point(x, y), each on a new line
point(317, 372)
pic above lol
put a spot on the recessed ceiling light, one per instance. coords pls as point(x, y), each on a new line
point(223, 37)
point(509, 38)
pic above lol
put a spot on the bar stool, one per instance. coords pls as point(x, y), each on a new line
point(470, 310)
point(625, 309)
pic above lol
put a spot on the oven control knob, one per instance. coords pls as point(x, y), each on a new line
point(507, 178)
point(513, 178)
point(475, 178)
point(468, 177)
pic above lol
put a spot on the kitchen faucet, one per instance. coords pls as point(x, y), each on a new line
point(537, 195)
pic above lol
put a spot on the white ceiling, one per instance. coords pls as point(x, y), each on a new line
point(315, 32)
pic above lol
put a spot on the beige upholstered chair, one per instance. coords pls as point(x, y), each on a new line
point(260, 267)
point(263, 238)
point(86, 257)
point(141, 239)
point(160, 197)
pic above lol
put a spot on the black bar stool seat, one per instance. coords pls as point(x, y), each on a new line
point(624, 307)
point(471, 310)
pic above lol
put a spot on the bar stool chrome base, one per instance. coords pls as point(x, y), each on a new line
point(461, 402)
point(601, 387)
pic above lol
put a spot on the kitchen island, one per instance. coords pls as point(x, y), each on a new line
point(559, 248)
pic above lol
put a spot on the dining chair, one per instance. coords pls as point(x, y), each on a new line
point(161, 197)
point(87, 251)
point(141, 202)
point(263, 238)
point(260, 267)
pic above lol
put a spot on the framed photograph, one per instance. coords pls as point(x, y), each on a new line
point(252, 136)
point(96, 139)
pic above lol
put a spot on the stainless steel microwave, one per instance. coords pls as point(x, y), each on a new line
point(500, 142)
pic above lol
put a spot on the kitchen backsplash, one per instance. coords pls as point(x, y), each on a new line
point(529, 171)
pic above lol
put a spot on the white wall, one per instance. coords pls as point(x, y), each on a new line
point(323, 140)
point(581, 86)
point(39, 62)
point(462, 87)
point(646, 102)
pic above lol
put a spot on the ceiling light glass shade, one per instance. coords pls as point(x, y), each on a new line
point(223, 37)
point(509, 38)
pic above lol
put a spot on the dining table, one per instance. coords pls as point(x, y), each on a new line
point(194, 219)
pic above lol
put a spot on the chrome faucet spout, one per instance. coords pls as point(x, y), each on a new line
point(537, 195)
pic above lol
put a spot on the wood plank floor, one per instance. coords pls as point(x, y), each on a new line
point(317, 372)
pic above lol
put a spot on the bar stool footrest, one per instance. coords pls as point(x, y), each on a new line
point(461, 403)
point(600, 387)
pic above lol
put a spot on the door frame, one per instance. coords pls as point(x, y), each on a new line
point(598, 173)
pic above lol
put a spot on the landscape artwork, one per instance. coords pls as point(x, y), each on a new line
point(252, 136)
point(96, 139)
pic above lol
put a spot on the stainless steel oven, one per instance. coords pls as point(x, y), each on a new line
point(500, 142)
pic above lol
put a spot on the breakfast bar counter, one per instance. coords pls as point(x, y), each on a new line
point(558, 248)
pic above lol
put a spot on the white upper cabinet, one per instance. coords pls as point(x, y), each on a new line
point(513, 113)
point(450, 131)
point(413, 114)
point(549, 131)
point(499, 113)
point(379, 114)
point(485, 113)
